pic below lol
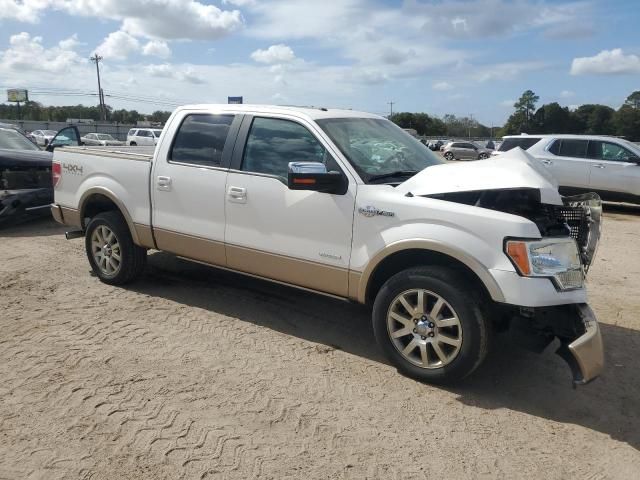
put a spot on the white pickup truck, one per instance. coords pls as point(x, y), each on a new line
point(347, 204)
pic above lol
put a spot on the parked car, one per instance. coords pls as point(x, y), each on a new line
point(25, 178)
point(347, 204)
point(465, 151)
point(143, 136)
point(609, 166)
point(434, 145)
point(102, 139)
point(42, 137)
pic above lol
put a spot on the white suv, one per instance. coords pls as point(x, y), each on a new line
point(608, 166)
point(143, 136)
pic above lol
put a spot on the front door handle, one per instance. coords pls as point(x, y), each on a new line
point(599, 165)
point(547, 162)
point(237, 194)
point(164, 183)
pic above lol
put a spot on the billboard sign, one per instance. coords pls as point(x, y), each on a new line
point(17, 95)
point(234, 100)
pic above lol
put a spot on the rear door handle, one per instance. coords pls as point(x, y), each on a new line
point(599, 165)
point(547, 162)
point(164, 183)
point(237, 194)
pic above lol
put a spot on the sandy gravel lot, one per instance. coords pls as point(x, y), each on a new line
point(197, 373)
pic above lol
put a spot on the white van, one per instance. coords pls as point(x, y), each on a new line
point(143, 136)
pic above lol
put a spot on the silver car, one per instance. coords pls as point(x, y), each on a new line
point(102, 139)
point(465, 151)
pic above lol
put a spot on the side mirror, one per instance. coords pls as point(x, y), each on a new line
point(66, 137)
point(314, 176)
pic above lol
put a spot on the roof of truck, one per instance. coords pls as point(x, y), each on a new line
point(314, 113)
point(566, 136)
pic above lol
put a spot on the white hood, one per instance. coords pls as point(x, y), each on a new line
point(510, 170)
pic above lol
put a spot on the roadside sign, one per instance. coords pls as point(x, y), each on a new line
point(17, 95)
point(234, 100)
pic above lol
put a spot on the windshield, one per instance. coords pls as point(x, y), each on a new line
point(378, 148)
point(13, 140)
point(104, 136)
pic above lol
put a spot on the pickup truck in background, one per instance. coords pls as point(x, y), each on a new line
point(347, 204)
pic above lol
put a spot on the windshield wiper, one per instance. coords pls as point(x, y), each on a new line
point(397, 173)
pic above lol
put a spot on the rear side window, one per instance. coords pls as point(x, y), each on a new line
point(599, 150)
point(200, 139)
point(573, 148)
point(523, 143)
point(131, 132)
point(273, 143)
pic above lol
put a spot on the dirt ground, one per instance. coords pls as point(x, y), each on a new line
point(197, 373)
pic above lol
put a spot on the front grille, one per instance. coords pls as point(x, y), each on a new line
point(577, 220)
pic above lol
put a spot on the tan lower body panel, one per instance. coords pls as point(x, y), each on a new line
point(71, 217)
point(145, 237)
point(189, 246)
point(354, 285)
point(315, 276)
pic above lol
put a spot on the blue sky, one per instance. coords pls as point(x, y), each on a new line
point(462, 57)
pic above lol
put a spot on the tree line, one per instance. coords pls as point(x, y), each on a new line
point(589, 119)
point(36, 111)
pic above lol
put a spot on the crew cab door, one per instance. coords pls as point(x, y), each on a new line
point(566, 160)
point(188, 185)
point(294, 236)
point(613, 169)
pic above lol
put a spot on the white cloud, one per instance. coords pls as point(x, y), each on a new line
point(181, 73)
point(607, 62)
point(239, 3)
point(506, 71)
point(118, 46)
point(567, 94)
point(156, 48)
point(22, 10)
point(442, 86)
point(24, 49)
point(274, 54)
point(69, 43)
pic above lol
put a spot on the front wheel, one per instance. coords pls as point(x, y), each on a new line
point(133, 144)
point(448, 156)
point(483, 156)
point(429, 324)
point(113, 256)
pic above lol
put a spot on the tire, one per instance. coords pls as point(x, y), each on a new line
point(483, 156)
point(460, 304)
point(132, 144)
point(110, 229)
point(448, 156)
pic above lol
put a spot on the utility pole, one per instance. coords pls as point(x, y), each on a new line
point(470, 124)
point(391, 108)
point(97, 59)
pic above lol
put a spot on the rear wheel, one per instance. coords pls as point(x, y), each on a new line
point(448, 156)
point(429, 324)
point(133, 144)
point(113, 256)
point(483, 156)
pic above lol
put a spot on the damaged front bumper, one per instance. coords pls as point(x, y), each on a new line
point(585, 354)
point(17, 205)
point(575, 325)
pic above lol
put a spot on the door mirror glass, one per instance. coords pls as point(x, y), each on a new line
point(314, 176)
point(68, 136)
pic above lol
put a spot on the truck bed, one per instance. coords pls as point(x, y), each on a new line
point(140, 153)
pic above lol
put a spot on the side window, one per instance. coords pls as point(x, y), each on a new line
point(200, 139)
point(272, 143)
point(599, 150)
point(144, 133)
point(555, 147)
point(573, 148)
point(131, 132)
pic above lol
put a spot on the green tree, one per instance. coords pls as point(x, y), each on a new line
point(552, 118)
point(594, 119)
point(627, 123)
point(526, 105)
point(633, 100)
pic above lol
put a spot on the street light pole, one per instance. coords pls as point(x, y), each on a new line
point(391, 109)
point(96, 59)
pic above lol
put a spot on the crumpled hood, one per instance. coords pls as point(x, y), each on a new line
point(510, 170)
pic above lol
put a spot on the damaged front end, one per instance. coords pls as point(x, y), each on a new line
point(25, 189)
